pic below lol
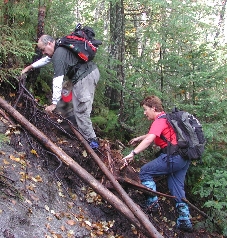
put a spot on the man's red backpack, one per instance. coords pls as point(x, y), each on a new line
point(81, 42)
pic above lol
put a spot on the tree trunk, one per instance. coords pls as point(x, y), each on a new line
point(117, 51)
point(40, 31)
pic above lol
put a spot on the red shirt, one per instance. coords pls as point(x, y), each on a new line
point(160, 126)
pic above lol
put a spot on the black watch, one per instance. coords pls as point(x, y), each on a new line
point(133, 152)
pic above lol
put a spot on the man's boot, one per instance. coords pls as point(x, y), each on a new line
point(183, 220)
point(152, 201)
point(94, 143)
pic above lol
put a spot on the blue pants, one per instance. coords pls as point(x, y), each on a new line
point(176, 172)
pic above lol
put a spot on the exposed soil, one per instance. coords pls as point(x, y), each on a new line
point(41, 197)
point(38, 200)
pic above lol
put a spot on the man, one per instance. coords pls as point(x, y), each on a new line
point(174, 166)
point(84, 76)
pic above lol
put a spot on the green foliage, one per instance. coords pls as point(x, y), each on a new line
point(12, 50)
point(4, 138)
point(212, 187)
point(177, 63)
point(108, 126)
point(59, 23)
point(170, 51)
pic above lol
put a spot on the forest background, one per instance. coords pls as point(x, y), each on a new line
point(173, 49)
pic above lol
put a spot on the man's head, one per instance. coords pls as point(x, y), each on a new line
point(46, 44)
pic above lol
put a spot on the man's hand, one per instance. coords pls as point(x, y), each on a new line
point(50, 108)
point(25, 70)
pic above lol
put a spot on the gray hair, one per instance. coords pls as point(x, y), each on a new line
point(46, 38)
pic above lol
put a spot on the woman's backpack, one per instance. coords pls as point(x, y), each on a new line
point(190, 137)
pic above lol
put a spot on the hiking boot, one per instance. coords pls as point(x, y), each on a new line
point(150, 184)
point(152, 201)
point(153, 208)
point(94, 144)
point(184, 225)
point(183, 221)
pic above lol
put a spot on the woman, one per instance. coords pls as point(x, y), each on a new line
point(174, 166)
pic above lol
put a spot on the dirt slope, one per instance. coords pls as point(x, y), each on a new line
point(40, 198)
point(35, 204)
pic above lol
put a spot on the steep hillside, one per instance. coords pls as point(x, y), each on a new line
point(41, 197)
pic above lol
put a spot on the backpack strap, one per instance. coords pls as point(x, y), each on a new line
point(170, 148)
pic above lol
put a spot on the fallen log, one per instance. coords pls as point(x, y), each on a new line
point(149, 230)
point(144, 189)
point(141, 187)
point(196, 208)
point(130, 182)
point(141, 216)
point(110, 161)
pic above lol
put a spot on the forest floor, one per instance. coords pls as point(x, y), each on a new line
point(42, 198)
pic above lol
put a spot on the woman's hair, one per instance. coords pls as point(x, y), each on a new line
point(153, 101)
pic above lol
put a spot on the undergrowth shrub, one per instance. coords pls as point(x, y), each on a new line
point(208, 181)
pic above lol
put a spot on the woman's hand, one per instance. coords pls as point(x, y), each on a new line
point(127, 159)
point(134, 140)
point(137, 139)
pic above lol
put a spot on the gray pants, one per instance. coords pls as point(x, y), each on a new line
point(83, 97)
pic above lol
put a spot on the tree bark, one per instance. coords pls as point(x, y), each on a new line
point(141, 187)
point(150, 231)
point(33, 75)
point(117, 52)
